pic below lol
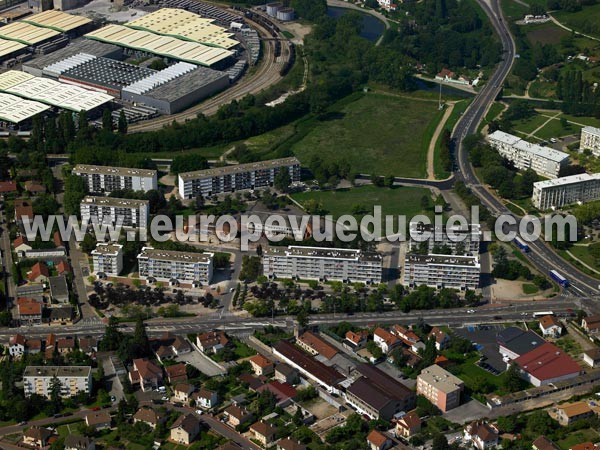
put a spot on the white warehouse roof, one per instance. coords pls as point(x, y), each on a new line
point(162, 77)
point(15, 109)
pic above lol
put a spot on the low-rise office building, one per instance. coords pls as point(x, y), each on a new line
point(173, 266)
point(461, 240)
point(590, 140)
point(105, 179)
point(440, 387)
point(219, 180)
point(108, 258)
point(580, 188)
point(545, 161)
point(319, 263)
point(442, 271)
point(111, 210)
point(73, 380)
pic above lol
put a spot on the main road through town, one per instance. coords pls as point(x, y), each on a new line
point(541, 255)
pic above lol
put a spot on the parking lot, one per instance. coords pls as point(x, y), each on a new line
point(201, 362)
point(484, 339)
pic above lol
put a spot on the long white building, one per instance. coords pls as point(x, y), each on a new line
point(105, 179)
point(166, 265)
point(461, 240)
point(545, 161)
point(318, 263)
point(564, 191)
point(590, 140)
point(442, 271)
point(108, 258)
point(220, 180)
point(73, 380)
point(110, 210)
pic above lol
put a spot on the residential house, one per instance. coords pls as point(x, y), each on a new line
point(592, 357)
point(149, 416)
point(572, 412)
point(7, 187)
point(29, 311)
point(283, 392)
point(286, 373)
point(376, 440)
point(591, 324)
point(34, 187)
point(65, 345)
point(289, 444)
point(58, 242)
point(586, 446)
point(176, 373)
point(169, 346)
point(264, 433)
point(550, 326)
point(33, 346)
point(445, 75)
point(77, 442)
point(21, 245)
point(408, 425)
point(261, 365)
point(61, 315)
point(205, 398)
point(543, 443)
point(355, 340)
point(36, 437)
point(385, 340)
point(88, 345)
point(408, 337)
point(50, 345)
point(59, 290)
point(183, 392)
point(482, 435)
point(212, 341)
point(315, 345)
point(23, 210)
point(252, 381)
point(441, 338)
point(99, 420)
point(62, 268)
point(39, 273)
point(16, 345)
point(236, 415)
point(185, 429)
point(145, 373)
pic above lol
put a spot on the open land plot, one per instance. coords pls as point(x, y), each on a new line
point(586, 21)
point(577, 437)
point(375, 134)
point(513, 10)
point(546, 33)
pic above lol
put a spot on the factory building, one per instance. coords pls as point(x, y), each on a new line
point(590, 140)
point(565, 191)
point(524, 155)
point(68, 24)
point(442, 271)
point(17, 112)
point(105, 179)
point(220, 180)
point(316, 263)
point(111, 210)
point(461, 240)
point(173, 266)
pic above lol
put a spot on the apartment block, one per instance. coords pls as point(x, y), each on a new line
point(110, 210)
point(106, 179)
point(545, 161)
point(581, 188)
point(73, 380)
point(590, 140)
point(462, 240)
point(440, 387)
point(108, 258)
point(220, 180)
point(319, 263)
point(165, 265)
point(442, 271)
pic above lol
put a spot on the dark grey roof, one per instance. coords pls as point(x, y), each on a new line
point(108, 72)
point(369, 394)
point(519, 341)
point(186, 83)
point(384, 382)
point(76, 441)
point(58, 286)
point(65, 312)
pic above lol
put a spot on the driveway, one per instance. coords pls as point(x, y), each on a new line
point(467, 412)
point(201, 362)
point(113, 383)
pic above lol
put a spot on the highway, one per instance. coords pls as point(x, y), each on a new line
point(541, 255)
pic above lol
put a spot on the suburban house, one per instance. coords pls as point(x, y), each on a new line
point(408, 425)
point(355, 340)
point(65, 345)
point(378, 441)
point(543, 443)
point(99, 420)
point(315, 345)
point(183, 392)
point(212, 341)
point(16, 345)
point(185, 429)
point(77, 442)
point(29, 311)
point(286, 373)
point(385, 340)
point(408, 337)
point(39, 273)
point(572, 412)
point(206, 399)
point(21, 245)
point(36, 437)
point(441, 338)
point(236, 415)
point(289, 444)
point(481, 434)
point(585, 446)
point(88, 345)
point(149, 416)
point(263, 432)
point(550, 326)
point(591, 324)
point(176, 373)
point(261, 365)
point(283, 392)
point(592, 357)
point(145, 373)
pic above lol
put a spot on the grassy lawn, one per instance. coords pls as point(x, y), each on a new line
point(577, 437)
point(585, 21)
point(530, 124)
point(542, 89)
point(375, 134)
point(395, 201)
point(591, 121)
point(529, 289)
point(459, 108)
point(469, 372)
point(513, 10)
point(581, 252)
point(545, 33)
point(555, 129)
point(569, 345)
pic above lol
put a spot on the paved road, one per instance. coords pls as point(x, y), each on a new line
point(7, 262)
point(541, 255)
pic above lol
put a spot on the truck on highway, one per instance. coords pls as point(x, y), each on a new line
point(559, 278)
point(523, 246)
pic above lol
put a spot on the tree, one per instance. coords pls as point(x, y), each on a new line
point(75, 190)
point(282, 180)
point(122, 123)
point(302, 318)
point(513, 381)
point(140, 343)
point(89, 243)
point(440, 442)
point(55, 395)
point(107, 121)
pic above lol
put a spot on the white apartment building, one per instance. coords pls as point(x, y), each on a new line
point(590, 140)
point(318, 263)
point(73, 380)
point(461, 240)
point(166, 265)
point(442, 271)
point(105, 179)
point(108, 258)
point(545, 161)
point(110, 210)
point(580, 188)
point(220, 180)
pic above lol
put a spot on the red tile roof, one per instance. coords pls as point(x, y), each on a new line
point(261, 361)
point(63, 267)
point(282, 391)
point(23, 208)
point(357, 337)
point(388, 337)
point(17, 339)
point(377, 438)
point(546, 362)
point(313, 341)
point(8, 186)
point(20, 240)
point(57, 239)
point(32, 308)
point(38, 269)
point(585, 446)
point(548, 321)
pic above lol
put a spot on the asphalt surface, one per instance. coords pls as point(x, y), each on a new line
point(541, 255)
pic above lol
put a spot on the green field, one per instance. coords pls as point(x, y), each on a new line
point(577, 437)
point(581, 252)
point(530, 288)
point(393, 201)
point(586, 21)
point(513, 10)
point(530, 124)
point(545, 33)
point(553, 128)
point(375, 134)
point(542, 89)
